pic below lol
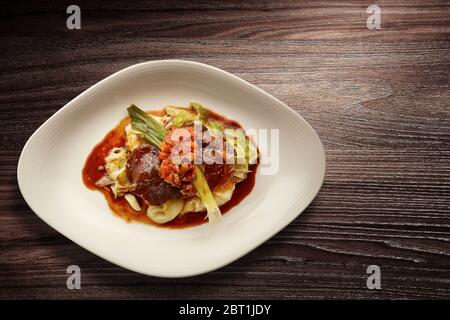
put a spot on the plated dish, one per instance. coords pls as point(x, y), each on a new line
point(50, 166)
point(176, 167)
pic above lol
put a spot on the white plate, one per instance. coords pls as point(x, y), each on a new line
point(49, 170)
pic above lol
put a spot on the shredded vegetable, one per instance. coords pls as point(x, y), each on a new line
point(152, 131)
point(202, 113)
point(180, 116)
point(205, 194)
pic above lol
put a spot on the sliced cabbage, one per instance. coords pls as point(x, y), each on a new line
point(132, 138)
point(115, 167)
point(223, 195)
point(214, 125)
point(245, 153)
point(240, 172)
point(115, 158)
point(179, 115)
point(193, 204)
point(251, 156)
point(165, 212)
point(174, 111)
point(172, 208)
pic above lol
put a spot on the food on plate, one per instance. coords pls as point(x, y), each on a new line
point(177, 167)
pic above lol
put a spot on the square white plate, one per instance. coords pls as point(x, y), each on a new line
point(49, 170)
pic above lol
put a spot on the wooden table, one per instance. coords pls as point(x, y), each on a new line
point(379, 100)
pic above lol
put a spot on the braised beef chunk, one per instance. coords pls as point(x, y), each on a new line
point(144, 164)
point(216, 174)
point(143, 169)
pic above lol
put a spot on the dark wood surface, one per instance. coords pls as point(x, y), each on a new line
point(379, 100)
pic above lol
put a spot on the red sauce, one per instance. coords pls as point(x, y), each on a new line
point(116, 138)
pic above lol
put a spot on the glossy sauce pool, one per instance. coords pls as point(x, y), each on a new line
point(116, 138)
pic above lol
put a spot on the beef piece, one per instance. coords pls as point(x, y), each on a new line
point(217, 174)
point(143, 170)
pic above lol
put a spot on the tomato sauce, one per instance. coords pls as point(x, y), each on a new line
point(92, 171)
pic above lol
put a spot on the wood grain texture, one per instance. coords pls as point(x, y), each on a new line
point(379, 100)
